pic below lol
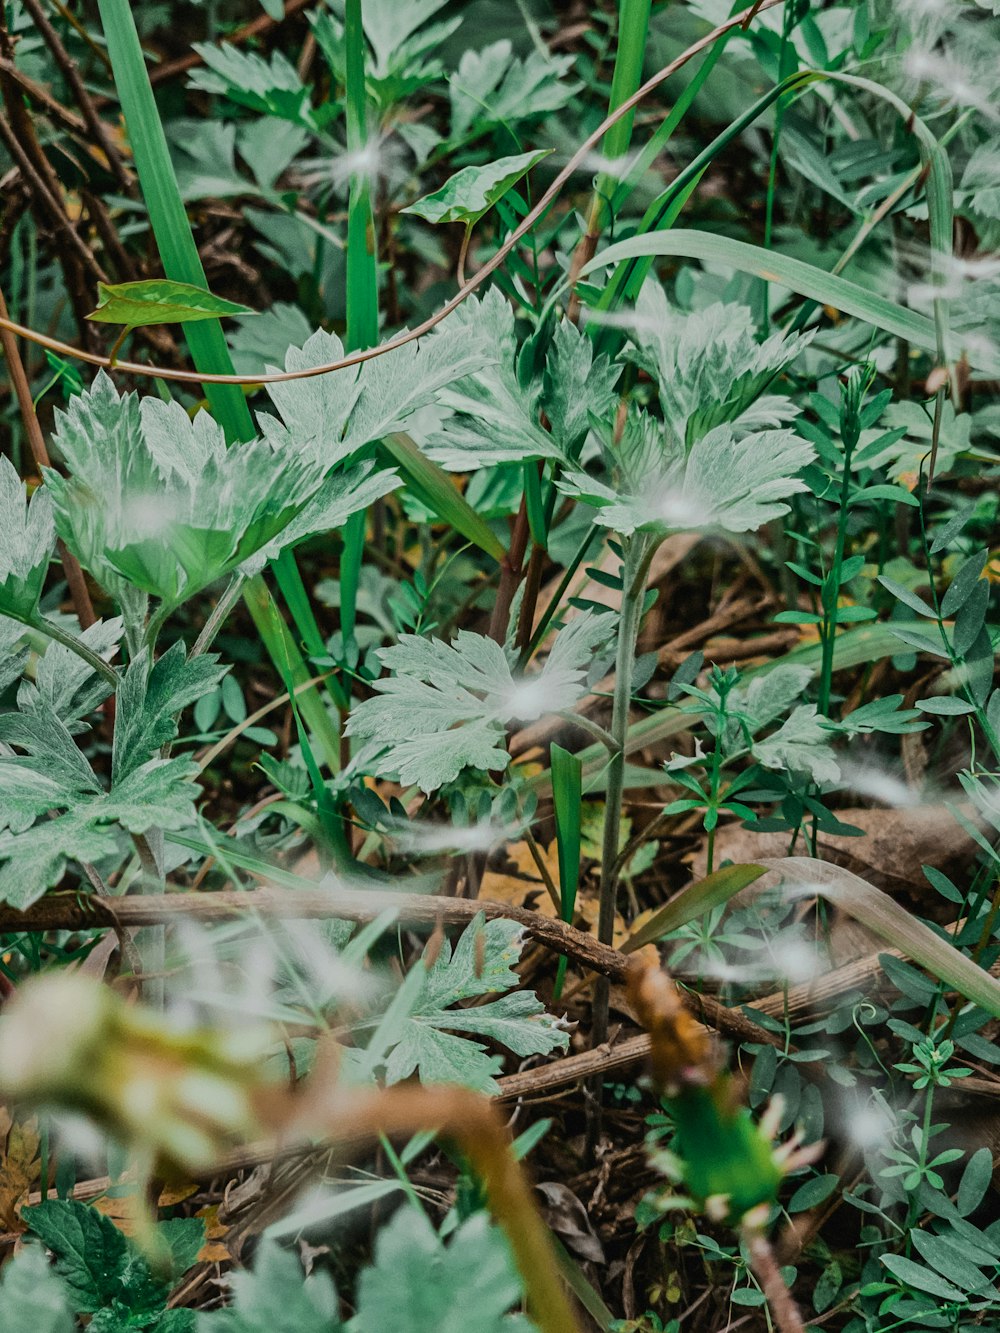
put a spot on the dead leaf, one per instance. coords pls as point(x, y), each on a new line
point(214, 1250)
point(19, 1169)
point(568, 1218)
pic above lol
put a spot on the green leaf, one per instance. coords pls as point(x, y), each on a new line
point(426, 1045)
point(976, 1180)
point(493, 87)
point(892, 922)
point(439, 1285)
point(32, 1298)
point(64, 683)
point(709, 365)
point(695, 901)
point(27, 536)
point(158, 502)
point(735, 485)
point(276, 1298)
point(159, 301)
point(149, 700)
point(272, 88)
point(472, 192)
point(91, 1254)
point(801, 744)
point(495, 417)
point(923, 1279)
point(796, 275)
point(812, 1192)
point(446, 707)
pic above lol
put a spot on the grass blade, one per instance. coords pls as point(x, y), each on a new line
point(891, 922)
point(567, 793)
point(694, 902)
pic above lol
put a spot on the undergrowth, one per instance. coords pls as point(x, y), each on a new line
point(498, 739)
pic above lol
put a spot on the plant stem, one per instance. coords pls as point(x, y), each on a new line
point(75, 645)
point(182, 263)
point(217, 617)
point(639, 551)
point(781, 1303)
point(633, 25)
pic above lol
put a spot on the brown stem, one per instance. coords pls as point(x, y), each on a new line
point(583, 254)
point(510, 574)
point(473, 1124)
point(36, 442)
point(83, 99)
point(784, 1311)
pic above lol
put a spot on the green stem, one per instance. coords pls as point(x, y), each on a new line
point(362, 278)
point(638, 554)
point(633, 26)
point(182, 263)
point(75, 645)
point(832, 583)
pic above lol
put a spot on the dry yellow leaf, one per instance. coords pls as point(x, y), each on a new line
point(19, 1169)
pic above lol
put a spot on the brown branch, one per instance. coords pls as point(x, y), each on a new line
point(36, 442)
point(476, 281)
point(84, 100)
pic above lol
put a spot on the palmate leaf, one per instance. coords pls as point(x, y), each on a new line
point(473, 191)
point(149, 700)
point(481, 964)
point(333, 416)
point(273, 88)
point(158, 502)
point(802, 745)
point(64, 683)
point(159, 301)
point(492, 87)
point(160, 794)
point(445, 707)
point(439, 1285)
point(27, 536)
point(104, 1271)
point(276, 1297)
point(709, 365)
point(719, 483)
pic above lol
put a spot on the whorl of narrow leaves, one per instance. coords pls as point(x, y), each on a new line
point(446, 706)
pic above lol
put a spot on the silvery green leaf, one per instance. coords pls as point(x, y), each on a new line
point(517, 1021)
point(32, 1297)
point(719, 483)
point(903, 458)
point(496, 418)
point(388, 25)
point(276, 1297)
point(438, 1284)
point(331, 417)
point(492, 86)
point(64, 683)
point(340, 496)
point(769, 695)
point(31, 862)
point(709, 365)
point(150, 699)
point(576, 385)
point(49, 749)
point(801, 744)
point(26, 795)
point(14, 653)
point(157, 502)
point(27, 536)
point(246, 78)
point(160, 794)
point(446, 707)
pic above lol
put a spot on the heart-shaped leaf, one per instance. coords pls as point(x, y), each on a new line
point(472, 192)
point(160, 301)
